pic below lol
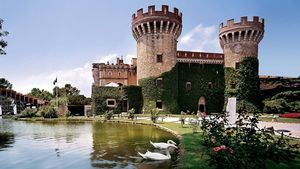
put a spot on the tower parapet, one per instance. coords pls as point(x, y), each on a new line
point(156, 33)
point(240, 39)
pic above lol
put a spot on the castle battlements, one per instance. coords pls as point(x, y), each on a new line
point(244, 30)
point(156, 22)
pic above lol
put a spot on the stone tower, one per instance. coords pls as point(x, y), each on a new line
point(156, 33)
point(240, 39)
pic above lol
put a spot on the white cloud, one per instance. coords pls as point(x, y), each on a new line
point(201, 38)
point(80, 77)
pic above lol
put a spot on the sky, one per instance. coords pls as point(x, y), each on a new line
point(62, 38)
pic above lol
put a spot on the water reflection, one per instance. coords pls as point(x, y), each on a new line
point(79, 145)
point(116, 145)
point(6, 140)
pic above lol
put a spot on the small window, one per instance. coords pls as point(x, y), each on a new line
point(237, 65)
point(119, 73)
point(111, 103)
point(159, 81)
point(210, 85)
point(232, 86)
point(159, 104)
point(159, 58)
point(109, 73)
point(188, 86)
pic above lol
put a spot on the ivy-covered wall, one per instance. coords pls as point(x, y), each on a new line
point(167, 92)
point(243, 82)
point(200, 75)
point(174, 95)
point(101, 94)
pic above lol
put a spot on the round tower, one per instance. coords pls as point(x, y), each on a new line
point(156, 33)
point(240, 39)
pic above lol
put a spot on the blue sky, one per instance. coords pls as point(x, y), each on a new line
point(61, 38)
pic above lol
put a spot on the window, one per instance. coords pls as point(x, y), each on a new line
point(237, 65)
point(159, 81)
point(210, 85)
point(159, 104)
point(109, 73)
point(232, 86)
point(111, 103)
point(119, 73)
point(159, 58)
point(188, 86)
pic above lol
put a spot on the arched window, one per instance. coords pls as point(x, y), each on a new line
point(210, 86)
point(188, 86)
point(159, 81)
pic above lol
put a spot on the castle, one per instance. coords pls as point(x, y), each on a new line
point(181, 80)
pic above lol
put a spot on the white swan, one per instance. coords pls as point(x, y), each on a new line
point(161, 145)
point(155, 156)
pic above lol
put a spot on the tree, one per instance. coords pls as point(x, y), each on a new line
point(73, 95)
point(68, 90)
point(3, 43)
point(41, 94)
point(5, 84)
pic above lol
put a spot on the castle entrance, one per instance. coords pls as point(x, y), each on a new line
point(202, 104)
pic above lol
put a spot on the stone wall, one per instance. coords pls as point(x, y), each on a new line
point(148, 47)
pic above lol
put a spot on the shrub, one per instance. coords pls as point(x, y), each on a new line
point(131, 113)
point(275, 106)
point(247, 107)
point(28, 112)
point(244, 146)
point(48, 112)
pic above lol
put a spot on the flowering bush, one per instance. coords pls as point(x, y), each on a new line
point(244, 145)
point(290, 115)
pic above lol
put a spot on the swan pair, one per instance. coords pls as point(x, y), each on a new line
point(159, 156)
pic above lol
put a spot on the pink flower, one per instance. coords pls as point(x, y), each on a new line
point(223, 147)
point(216, 149)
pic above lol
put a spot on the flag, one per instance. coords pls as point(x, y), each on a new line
point(55, 81)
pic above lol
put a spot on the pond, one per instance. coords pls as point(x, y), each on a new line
point(72, 145)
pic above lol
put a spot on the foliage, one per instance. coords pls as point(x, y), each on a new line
point(277, 106)
point(244, 146)
point(48, 111)
point(243, 83)
point(131, 113)
point(231, 80)
point(41, 94)
point(131, 93)
point(6, 105)
point(135, 97)
point(247, 106)
point(173, 93)
point(3, 43)
point(108, 114)
point(67, 90)
point(200, 76)
point(28, 112)
point(79, 100)
point(287, 101)
point(248, 84)
point(151, 109)
point(5, 84)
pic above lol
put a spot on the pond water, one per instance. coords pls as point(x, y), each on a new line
point(72, 145)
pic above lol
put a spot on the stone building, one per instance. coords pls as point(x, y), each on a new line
point(197, 77)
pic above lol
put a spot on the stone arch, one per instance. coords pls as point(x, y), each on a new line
point(202, 104)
